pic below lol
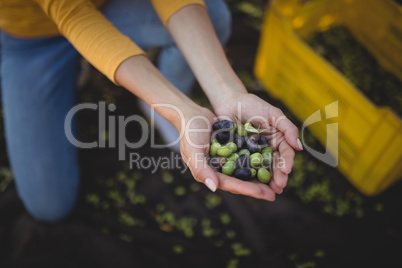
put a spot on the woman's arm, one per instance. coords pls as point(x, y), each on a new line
point(193, 33)
point(195, 36)
point(94, 37)
point(139, 76)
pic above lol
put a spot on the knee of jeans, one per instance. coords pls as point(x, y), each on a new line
point(52, 214)
point(221, 18)
point(50, 209)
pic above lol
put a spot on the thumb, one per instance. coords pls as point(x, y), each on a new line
point(202, 172)
point(211, 179)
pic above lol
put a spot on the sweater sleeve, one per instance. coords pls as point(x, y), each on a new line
point(166, 9)
point(94, 37)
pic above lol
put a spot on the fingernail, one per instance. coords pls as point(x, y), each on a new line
point(210, 184)
point(300, 145)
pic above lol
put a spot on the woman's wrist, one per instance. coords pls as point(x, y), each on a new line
point(226, 95)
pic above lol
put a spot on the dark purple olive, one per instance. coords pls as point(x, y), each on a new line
point(252, 146)
point(222, 137)
point(263, 141)
point(243, 174)
point(224, 124)
point(239, 141)
point(242, 161)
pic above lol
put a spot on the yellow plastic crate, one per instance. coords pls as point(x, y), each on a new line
point(370, 137)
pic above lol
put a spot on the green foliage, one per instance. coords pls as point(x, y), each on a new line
point(178, 249)
point(240, 250)
point(233, 263)
point(298, 263)
point(6, 177)
point(129, 220)
point(122, 189)
point(312, 184)
point(167, 177)
point(358, 65)
point(212, 200)
point(252, 12)
point(180, 191)
point(126, 237)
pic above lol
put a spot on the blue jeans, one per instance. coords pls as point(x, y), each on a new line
point(38, 84)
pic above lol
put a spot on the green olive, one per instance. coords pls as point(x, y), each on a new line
point(214, 149)
point(255, 159)
point(263, 175)
point(266, 159)
point(259, 148)
point(233, 157)
point(240, 129)
point(224, 151)
point(267, 156)
point(244, 151)
point(267, 150)
point(232, 146)
point(253, 172)
point(233, 130)
point(228, 168)
point(214, 141)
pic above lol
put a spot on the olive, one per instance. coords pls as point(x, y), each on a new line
point(228, 168)
point(240, 129)
point(263, 175)
point(253, 173)
point(239, 141)
point(244, 151)
point(267, 150)
point(252, 146)
point(267, 158)
point(225, 125)
point(213, 149)
point(256, 159)
point(232, 146)
point(217, 161)
point(222, 137)
point(224, 151)
point(263, 141)
point(233, 157)
point(233, 130)
point(242, 161)
point(235, 146)
point(243, 174)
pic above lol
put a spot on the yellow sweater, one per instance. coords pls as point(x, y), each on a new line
point(81, 22)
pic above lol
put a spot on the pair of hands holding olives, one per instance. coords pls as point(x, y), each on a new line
point(194, 123)
point(282, 136)
point(194, 35)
